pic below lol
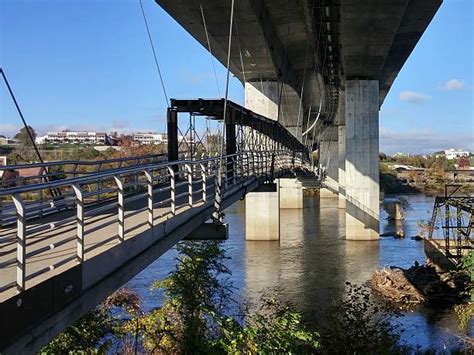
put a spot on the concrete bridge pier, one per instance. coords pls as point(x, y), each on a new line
point(262, 207)
point(291, 193)
point(262, 213)
point(341, 145)
point(329, 158)
point(341, 130)
point(362, 159)
point(263, 97)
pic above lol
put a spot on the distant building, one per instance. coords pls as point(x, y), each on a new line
point(455, 153)
point(150, 138)
point(400, 155)
point(7, 141)
point(74, 137)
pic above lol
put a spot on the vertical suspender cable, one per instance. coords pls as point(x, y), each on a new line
point(154, 54)
point(240, 51)
point(218, 198)
point(210, 49)
point(228, 68)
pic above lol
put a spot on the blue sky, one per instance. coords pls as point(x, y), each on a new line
point(87, 64)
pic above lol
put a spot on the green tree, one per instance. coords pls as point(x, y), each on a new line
point(194, 298)
point(193, 320)
point(87, 335)
point(23, 136)
point(275, 328)
point(357, 324)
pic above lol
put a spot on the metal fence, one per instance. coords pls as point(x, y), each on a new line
point(88, 206)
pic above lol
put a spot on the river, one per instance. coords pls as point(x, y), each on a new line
point(312, 261)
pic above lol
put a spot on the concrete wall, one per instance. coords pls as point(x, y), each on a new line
point(362, 160)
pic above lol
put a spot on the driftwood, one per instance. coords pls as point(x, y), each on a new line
point(418, 284)
point(392, 284)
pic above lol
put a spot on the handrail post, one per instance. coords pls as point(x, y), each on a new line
point(99, 166)
point(189, 172)
point(79, 222)
point(253, 164)
point(172, 190)
point(149, 179)
point(41, 195)
point(20, 243)
point(73, 170)
point(266, 164)
point(204, 182)
point(1, 212)
point(121, 208)
point(234, 170)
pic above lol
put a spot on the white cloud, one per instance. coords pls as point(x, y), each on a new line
point(453, 84)
point(413, 97)
point(422, 141)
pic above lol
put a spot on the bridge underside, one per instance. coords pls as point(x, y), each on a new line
point(322, 69)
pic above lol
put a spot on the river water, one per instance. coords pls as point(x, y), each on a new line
point(310, 264)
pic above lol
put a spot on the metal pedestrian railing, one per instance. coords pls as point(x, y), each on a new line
point(43, 232)
point(32, 173)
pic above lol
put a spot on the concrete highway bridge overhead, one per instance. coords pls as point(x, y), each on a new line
point(323, 69)
point(315, 74)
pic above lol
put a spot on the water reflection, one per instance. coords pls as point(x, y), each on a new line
point(312, 261)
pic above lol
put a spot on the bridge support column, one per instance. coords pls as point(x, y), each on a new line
point(362, 160)
point(341, 130)
point(172, 125)
point(329, 159)
point(291, 193)
point(262, 97)
point(262, 213)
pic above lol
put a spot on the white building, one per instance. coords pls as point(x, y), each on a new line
point(75, 137)
point(150, 138)
point(400, 155)
point(455, 153)
point(7, 141)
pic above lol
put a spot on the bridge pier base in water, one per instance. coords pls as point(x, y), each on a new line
point(262, 213)
point(362, 159)
point(291, 193)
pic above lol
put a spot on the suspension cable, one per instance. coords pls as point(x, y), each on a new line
point(227, 75)
point(217, 215)
point(154, 54)
point(300, 106)
point(240, 51)
point(55, 192)
point(30, 134)
point(210, 49)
